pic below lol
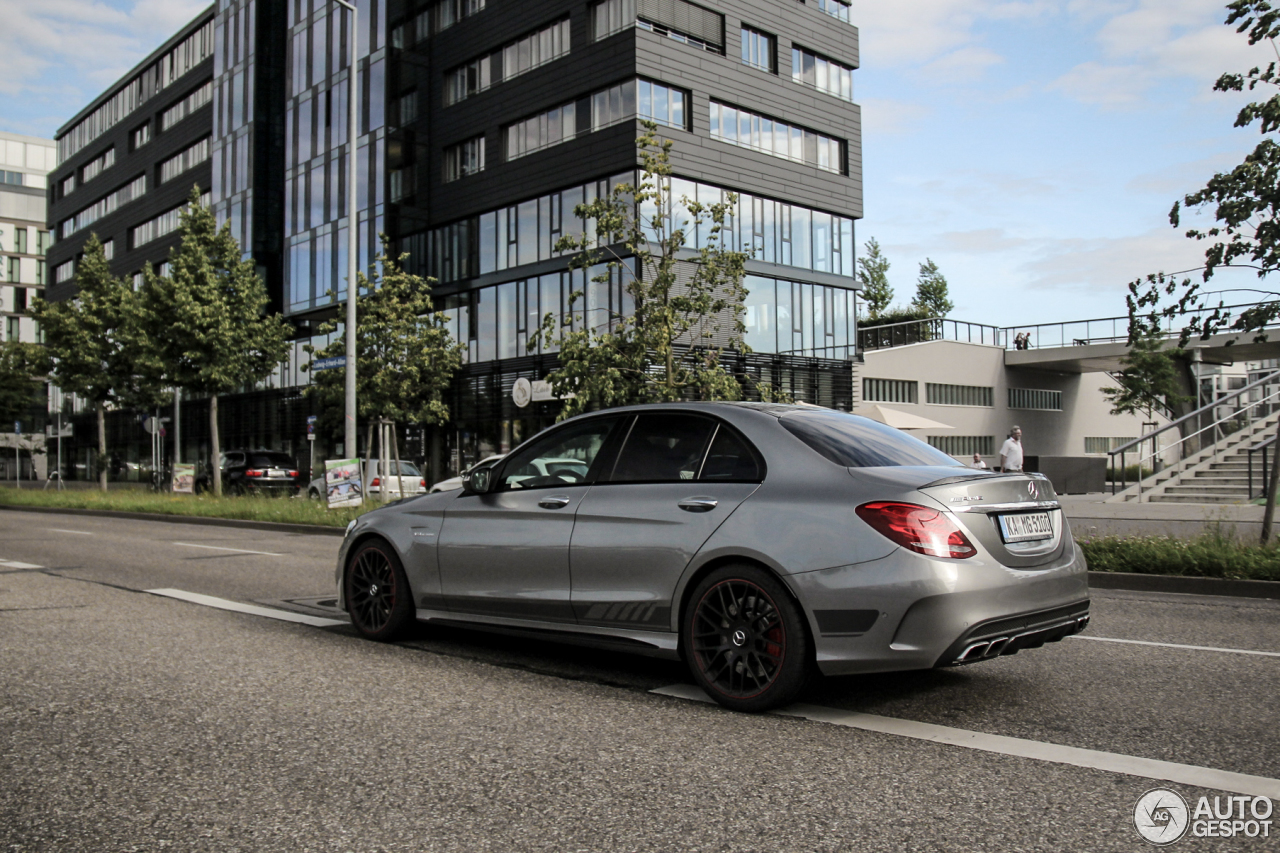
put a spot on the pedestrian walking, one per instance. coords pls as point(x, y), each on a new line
point(1011, 452)
point(978, 463)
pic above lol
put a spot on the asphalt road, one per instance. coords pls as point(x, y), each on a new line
point(132, 721)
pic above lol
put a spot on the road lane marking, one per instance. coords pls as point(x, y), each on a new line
point(1178, 646)
point(236, 550)
point(1111, 762)
point(14, 564)
point(252, 609)
point(76, 532)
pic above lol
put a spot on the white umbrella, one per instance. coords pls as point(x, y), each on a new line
point(898, 419)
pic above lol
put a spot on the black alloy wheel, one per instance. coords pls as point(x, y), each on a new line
point(377, 592)
point(746, 641)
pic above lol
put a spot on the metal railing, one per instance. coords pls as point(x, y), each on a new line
point(1104, 330)
point(1261, 446)
point(935, 329)
point(1220, 427)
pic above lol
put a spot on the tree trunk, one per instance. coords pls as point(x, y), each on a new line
point(215, 449)
point(1269, 516)
point(102, 445)
point(395, 449)
point(365, 479)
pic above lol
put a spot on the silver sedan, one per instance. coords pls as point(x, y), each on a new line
point(758, 542)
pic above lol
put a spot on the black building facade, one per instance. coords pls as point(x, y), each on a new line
point(482, 124)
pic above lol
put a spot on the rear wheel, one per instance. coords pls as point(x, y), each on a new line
point(746, 641)
point(377, 591)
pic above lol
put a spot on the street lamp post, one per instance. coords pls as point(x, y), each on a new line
point(350, 436)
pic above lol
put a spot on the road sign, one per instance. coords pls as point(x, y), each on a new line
point(329, 363)
point(17, 427)
point(311, 419)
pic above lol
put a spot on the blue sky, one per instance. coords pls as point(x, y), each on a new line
point(1032, 148)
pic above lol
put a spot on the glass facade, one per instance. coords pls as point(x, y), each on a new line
point(796, 318)
point(643, 99)
point(823, 74)
point(556, 125)
point(752, 130)
point(759, 50)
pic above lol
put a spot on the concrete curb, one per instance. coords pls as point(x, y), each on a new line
point(243, 524)
point(1184, 585)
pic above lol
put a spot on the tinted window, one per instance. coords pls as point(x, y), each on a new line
point(269, 460)
point(730, 459)
point(562, 458)
point(663, 448)
point(857, 442)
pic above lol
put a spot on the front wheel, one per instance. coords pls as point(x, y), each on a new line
point(745, 640)
point(377, 591)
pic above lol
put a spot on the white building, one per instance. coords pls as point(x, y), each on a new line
point(25, 162)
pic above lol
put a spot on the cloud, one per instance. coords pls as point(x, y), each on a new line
point(896, 34)
point(964, 65)
point(884, 117)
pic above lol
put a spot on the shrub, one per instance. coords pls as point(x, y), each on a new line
point(1213, 554)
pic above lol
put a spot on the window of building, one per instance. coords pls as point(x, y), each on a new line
point(1102, 445)
point(141, 136)
point(109, 249)
point(64, 272)
point(44, 239)
point(446, 13)
point(42, 273)
point(14, 178)
point(538, 48)
point(835, 8)
point(964, 445)
point(663, 104)
point(184, 160)
point(465, 158)
point(15, 270)
point(612, 16)
point(163, 225)
point(716, 46)
point(825, 75)
point(1033, 398)
point(679, 20)
point(959, 395)
point(542, 131)
point(890, 390)
point(105, 205)
point(138, 279)
point(186, 106)
point(20, 239)
point(798, 318)
point(612, 105)
point(467, 80)
point(67, 185)
point(406, 108)
point(14, 330)
point(759, 50)
point(98, 165)
point(780, 139)
point(19, 300)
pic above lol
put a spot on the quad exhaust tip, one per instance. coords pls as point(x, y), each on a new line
point(994, 648)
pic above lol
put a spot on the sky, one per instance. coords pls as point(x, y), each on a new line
point(1031, 148)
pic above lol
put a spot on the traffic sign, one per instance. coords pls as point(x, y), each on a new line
point(329, 363)
point(17, 427)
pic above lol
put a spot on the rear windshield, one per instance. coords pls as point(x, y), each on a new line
point(858, 442)
point(269, 460)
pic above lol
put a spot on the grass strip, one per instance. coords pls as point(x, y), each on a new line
point(282, 510)
point(1213, 554)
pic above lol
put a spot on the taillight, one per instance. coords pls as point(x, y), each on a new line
point(375, 482)
point(918, 528)
point(293, 473)
point(254, 472)
point(422, 483)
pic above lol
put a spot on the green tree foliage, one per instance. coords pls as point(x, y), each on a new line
point(207, 325)
point(91, 341)
point(876, 291)
point(405, 355)
point(19, 364)
point(666, 350)
point(1151, 379)
point(931, 291)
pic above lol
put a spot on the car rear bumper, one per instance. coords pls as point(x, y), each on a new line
point(906, 611)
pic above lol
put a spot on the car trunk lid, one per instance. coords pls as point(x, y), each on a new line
point(1015, 517)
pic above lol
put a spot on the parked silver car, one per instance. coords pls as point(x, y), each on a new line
point(757, 541)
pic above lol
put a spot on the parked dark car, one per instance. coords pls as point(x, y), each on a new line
point(255, 472)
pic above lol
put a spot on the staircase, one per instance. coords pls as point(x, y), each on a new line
point(1216, 475)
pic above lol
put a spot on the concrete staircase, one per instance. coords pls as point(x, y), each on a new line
point(1216, 475)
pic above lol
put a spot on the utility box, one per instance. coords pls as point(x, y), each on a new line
point(1071, 475)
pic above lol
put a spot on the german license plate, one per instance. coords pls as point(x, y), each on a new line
point(1026, 527)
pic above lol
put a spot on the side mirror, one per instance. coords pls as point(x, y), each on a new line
point(477, 481)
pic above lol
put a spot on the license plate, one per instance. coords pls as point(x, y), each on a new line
point(1028, 527)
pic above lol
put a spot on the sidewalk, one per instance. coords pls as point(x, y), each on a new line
point(1091, 517)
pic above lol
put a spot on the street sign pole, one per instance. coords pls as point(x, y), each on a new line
point(17, 454)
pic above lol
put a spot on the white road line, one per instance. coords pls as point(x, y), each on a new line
point(76, 532)
point(14, 564)
point(1147, 768)
point(1178, 646)
point(236, 550)
point(252, 609)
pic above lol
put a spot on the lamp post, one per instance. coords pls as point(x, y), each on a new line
point(353, 114)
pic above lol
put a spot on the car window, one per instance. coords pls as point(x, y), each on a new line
point(230, 460)
point(562, 458)
point(270, 460)
point(858, 442)
point(732, 459)
point(663, 448)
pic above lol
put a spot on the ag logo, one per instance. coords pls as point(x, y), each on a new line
point(1161, 816)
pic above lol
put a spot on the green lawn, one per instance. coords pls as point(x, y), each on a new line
point(284, 510)
point(1211, 555)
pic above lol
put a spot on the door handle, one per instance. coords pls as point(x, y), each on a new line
point(555, 502)
point(698, 504)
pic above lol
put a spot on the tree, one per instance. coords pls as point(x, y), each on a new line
point(89, 340)
point(405, 355)
point(686, 313)
point(1151, 377)
point(19, 364)
point(931, 291)
point(876, 291)
point(206, 320)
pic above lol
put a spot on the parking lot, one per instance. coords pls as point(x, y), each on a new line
point(190, 686)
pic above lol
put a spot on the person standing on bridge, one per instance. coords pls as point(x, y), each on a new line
point(1011, 452)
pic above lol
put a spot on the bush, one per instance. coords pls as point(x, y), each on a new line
point(1130, 473)
point(1213, 554)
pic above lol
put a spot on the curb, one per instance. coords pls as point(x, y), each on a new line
point(1184, 585)
point(243, 524)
